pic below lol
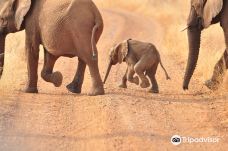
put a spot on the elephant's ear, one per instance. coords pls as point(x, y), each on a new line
point(22, 8)
point(211, 9)
point(123, 51)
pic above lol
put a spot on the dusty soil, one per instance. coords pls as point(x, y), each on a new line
point(123, 119)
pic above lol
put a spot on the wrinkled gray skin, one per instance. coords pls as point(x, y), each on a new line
point(194, 34)
point(65, 28)
point(141, 58)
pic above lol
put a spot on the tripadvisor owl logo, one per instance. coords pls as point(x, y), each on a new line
point(176, 140)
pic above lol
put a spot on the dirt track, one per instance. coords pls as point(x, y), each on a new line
point(130, 119)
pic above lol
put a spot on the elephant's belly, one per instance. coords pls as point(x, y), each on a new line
point(64, 53)
point(61, 48)
point(59, 41)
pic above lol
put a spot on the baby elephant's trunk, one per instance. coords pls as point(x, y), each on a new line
point(108, 71)
point(166, 74)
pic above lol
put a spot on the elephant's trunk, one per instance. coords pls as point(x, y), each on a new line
point(108, 71)
point(2, 50)
point(194, 35)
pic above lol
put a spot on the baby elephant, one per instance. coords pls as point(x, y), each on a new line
point(142, 58)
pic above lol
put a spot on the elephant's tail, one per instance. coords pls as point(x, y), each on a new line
point(96, 33)
point(97, 30)
point(93, 41)
point(166, 74)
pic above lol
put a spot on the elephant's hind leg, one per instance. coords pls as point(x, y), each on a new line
point(97, 85)
point(151, 73)
point(76, 85)
point(47, 72)
point(140, 69)
point(130, 76)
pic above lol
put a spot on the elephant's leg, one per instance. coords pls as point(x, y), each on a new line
point(130, 76)
point(32, 51)
point(97, 84)
point(47, 72)
point(124, 80)
point(86, 55)
point(222, 64)
point(151, 74)
point(218, 74)
point(76, 85)
point(140, 69)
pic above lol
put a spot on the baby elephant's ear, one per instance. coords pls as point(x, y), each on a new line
point(211, 9)
point(123, 51)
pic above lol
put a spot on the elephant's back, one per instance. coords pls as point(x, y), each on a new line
point(76, 14)
point(143, 48)
point(85, 13)
point(67, 26)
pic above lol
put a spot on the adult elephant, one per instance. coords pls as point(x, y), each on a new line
point(204, 13)
point(65, 28)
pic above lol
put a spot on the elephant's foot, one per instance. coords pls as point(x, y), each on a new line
point(154, 90)
point(31, 90)
point(123, 85)
point(212, 85)
point(136, 80)
point(145, 84)
point(96, 91)
point(57, 78)
point(73, 88)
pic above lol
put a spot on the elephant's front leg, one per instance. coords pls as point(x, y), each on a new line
point(76, 85)
point(32, 51)
point(222, 65)
point(218, 74)
point(124, 80)
point(47, 72)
